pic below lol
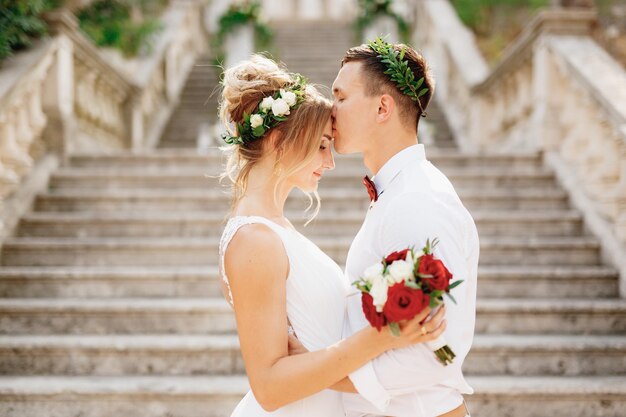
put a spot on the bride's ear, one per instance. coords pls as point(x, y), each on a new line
point(273, 144)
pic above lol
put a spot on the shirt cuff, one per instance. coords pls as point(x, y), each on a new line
point(368, 386)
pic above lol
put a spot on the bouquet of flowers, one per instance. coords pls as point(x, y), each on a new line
point(401, 286)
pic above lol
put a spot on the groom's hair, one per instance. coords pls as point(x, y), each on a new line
point(377, 82)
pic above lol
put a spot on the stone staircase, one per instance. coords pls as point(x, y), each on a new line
point(197, 109)
point(111, 303)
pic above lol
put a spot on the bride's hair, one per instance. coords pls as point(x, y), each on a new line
point(296, 139)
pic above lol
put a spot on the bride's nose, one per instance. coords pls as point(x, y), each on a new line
point(329, 160)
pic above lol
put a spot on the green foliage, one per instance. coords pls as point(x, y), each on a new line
point(480, 14)
point(369, 10)
point(20, 23)
point(400, 73)
point(496, 23)
point(239, 14)
point(110, 23)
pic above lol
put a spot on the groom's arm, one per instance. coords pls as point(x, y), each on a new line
point(409, 220)
point(345, 385)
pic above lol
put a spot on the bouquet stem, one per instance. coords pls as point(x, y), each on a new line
point(445, 355)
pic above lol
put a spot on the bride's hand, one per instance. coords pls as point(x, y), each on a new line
point(414, 331)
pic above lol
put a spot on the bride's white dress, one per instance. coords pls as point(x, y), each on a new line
point(316, 305)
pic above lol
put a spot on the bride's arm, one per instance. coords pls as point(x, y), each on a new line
point(257, 267)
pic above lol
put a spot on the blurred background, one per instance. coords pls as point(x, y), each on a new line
point(111, 211)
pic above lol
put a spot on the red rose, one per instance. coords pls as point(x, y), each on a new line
point(375, 318)
point(396, 256)
point(403, 303)
point(441, 277)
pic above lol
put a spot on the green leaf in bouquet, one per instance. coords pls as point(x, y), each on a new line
point(454, 284)
point(438, 294)
point(395, 329)
point(451, 297)
point(413, 285)
point(435, 302)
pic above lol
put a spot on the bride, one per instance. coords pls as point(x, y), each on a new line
point(277, 280)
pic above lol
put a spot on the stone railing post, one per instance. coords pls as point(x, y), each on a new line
point(383, 25)
point(58, 97)
point(239, 45)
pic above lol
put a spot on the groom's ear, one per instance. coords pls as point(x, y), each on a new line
point(386, 107)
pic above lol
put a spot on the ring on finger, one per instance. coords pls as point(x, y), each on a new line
point(424, 331)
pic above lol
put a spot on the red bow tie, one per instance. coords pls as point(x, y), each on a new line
point(371, 188)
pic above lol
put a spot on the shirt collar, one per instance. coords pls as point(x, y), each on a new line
point(394, 165)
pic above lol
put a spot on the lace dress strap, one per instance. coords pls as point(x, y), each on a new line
point(231, 228)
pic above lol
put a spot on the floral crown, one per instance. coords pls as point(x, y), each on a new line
point(269, 113)
point(398, 70)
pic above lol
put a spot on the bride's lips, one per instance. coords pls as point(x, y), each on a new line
point(318, 175)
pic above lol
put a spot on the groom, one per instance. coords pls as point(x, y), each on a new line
point(411, 201)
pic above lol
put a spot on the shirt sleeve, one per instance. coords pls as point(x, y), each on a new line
point(409, 220)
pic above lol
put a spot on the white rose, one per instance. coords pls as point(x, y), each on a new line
point(409, 257)
point(289, 97)
point(400, 270)
point(280, 107)
point(373, 272)
point(379, 294)
point(266, 104)
point(256, 120)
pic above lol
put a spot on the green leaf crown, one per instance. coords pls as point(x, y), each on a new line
point(399, 71)
point(266, 115)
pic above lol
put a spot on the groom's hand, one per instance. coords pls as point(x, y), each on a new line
point(295, 346)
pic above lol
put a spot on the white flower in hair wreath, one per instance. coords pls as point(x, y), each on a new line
point(270, 112)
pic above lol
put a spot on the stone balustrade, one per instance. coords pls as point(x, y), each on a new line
point(64, 96)
point(21, 113)
point(554, 91)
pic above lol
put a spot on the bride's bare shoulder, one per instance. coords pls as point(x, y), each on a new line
point(255, 248)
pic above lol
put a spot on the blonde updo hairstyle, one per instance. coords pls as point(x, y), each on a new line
point(295, 140)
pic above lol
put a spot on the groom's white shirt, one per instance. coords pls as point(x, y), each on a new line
point(416, 202)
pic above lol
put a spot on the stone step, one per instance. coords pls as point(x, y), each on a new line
point(122, 316)
point(130, 282)
point(101, 355)
point(207, 224)
point(547, 282)
point(73, 178)
point(203, 251)
point(110, 282)
point(137, 396)
point(189, 354)
point(182, 143)
point(213, 315)
point(217, 396)
point(567, 355)
point(551, 316)
point(186, 159)
point(339, 199)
